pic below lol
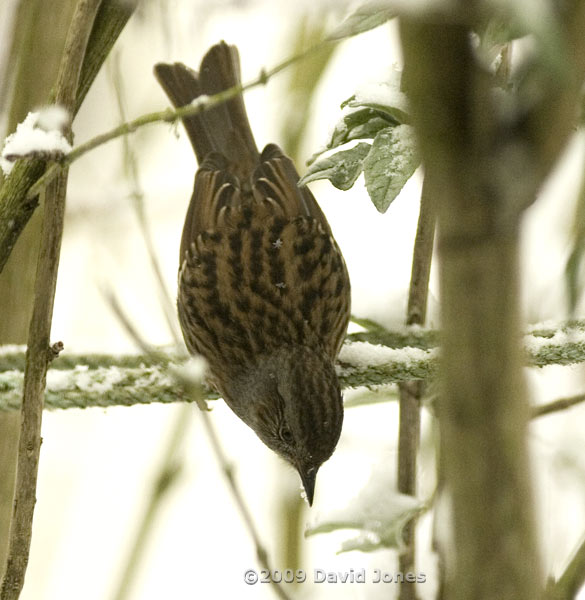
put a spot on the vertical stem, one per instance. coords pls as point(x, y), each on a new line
point(408, 442)
point(422, 256)
point(37, 358)
point(40, 326)
point(412, 391)
point(36, 45)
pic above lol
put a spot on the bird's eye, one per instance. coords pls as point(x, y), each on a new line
point(285, 434)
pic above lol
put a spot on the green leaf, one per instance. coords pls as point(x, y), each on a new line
point(364, 123)
point(379, 524)
point(385, 98)
point(389, 164)
point(376, 512)
point(368, 16)
point(341, 168)
point(360, 124)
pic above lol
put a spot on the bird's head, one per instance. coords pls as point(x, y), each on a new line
point(291, 398)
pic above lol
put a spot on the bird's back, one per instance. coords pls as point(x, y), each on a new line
point(263, 274)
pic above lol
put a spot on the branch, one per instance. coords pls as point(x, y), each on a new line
point(38, 353)
point(110, 20)
point(422, 258)
point(228, 472)
point(18, 197)
point(572, 579)
point(125, 381)
point(168, 115)
point(118, 383)
point(411, 392)
point(464, 139)
point(556, 406)
point(16, 207)
point(102, 380)
point(166, 477)
point(193, 391)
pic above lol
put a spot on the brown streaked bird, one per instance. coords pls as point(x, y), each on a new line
point(264, 293)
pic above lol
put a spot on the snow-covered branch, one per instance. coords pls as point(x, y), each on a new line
point(87, 380)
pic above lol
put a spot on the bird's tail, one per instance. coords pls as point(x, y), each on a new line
point(224, 128)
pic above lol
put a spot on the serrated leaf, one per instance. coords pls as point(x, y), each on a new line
point(364, 123)
point(370, 15)
point(385, 98)
point(360, 124)
point(379, 523)
point(341, 168)
point(390, 164)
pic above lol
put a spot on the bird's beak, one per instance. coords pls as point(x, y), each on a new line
point(308, 477)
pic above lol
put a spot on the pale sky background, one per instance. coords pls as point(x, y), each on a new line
point(96, 464)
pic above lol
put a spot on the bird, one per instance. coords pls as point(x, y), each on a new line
point(263, 288)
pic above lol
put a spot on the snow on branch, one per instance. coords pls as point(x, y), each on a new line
point(88, 380)
point(40, 135)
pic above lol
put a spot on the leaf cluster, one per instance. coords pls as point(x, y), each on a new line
point(387, 163)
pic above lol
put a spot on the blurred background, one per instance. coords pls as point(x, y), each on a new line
point(98, 467)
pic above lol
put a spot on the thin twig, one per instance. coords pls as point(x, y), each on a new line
point(214, 441)
point(186, 384)
point(167, 475)
point(556, 406)
point(215, 444)
point(228, 472)
point(168, 469)
point(128, 326)
point(38, 353)
point(137, 195)
point(572, 579)
point(166, 116)
point(411, 392)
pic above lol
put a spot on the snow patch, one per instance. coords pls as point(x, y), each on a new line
point(364, 354)
point(39, 133)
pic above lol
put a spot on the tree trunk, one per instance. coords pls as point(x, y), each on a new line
point(482, 410)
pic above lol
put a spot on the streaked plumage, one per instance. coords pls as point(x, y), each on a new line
point(263, 289)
